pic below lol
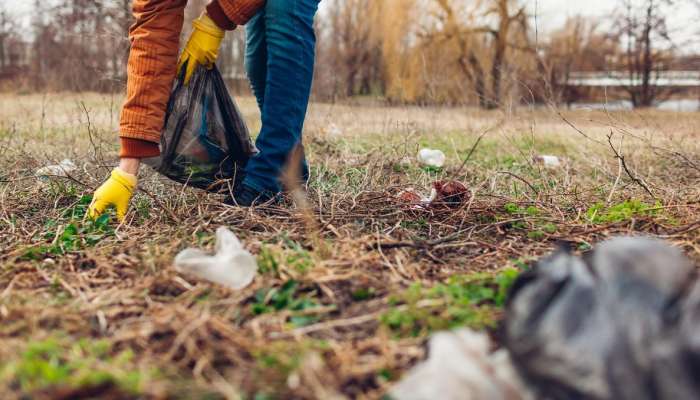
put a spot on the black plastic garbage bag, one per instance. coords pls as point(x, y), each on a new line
point(621, 322)
point(205, 142)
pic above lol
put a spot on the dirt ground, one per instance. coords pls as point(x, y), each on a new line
point(349, 290)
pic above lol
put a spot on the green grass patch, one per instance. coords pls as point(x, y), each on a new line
point(514, 209)
point(288, 297)
point(324, 179)
point(532, 221)
point(277, 361)
point(363, 294)
point(625, 211)
point(60, 362)
point(472, 300)
point(273, 259)
point(70, 233)
point(542, 144)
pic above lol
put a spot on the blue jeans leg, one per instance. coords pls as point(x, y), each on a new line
point(290, 51)
point(256, 56)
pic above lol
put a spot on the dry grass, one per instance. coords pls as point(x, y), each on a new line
point(100, 311)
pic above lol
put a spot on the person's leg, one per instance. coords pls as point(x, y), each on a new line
point(291, 45)
point(256, 56)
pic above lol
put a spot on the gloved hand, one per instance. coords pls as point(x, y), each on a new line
point(202, 47)
point(117, 192)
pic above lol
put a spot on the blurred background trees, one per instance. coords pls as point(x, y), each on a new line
point(648, 48)
point(486, 53)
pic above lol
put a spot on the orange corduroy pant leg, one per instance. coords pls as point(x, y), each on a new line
point(152, 66)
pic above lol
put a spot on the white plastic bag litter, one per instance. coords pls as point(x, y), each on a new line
point(232, 265)
point(62, 169)
point(432, 158)
point(460, 366)
point(549, 161)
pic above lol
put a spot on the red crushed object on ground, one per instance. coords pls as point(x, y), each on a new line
point(444, 194)
point(409, 196)
point(451, 193)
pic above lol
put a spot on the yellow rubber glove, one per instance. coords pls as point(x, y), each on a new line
point(117, 192)
point(202, 47)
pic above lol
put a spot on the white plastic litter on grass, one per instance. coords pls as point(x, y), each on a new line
point(432, 158)
point(431, 198)
point(549, 161)
point(333, 131)
point(62, 169)
point(460, 366)
point(232, 265)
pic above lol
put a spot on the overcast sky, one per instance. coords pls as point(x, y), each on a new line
point(551, 13)
point(549, 9)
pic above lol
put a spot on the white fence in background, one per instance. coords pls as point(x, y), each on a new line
point(686, 79)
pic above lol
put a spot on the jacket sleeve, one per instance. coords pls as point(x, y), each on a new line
point(151, 70)
point(229, 13)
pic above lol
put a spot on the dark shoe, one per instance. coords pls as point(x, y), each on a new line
point(245, 196)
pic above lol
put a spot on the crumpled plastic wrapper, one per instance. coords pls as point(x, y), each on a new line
point(62, 169)
point(231, 266)
point(461, 366)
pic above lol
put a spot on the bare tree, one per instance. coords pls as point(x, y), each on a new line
point(510, 15)
point(119, 19)
point(467, 47)
point(353, 51)
point(508, 30)
point(579, 46)
point(643, 30)
point(405, 51)
point(5, 32)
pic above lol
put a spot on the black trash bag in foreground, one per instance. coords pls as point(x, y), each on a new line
point(621, 322)
point(205, 142)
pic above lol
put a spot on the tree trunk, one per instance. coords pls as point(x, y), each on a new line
point(350, 79)
point(478, 78)
point(4, 32)
point(500, 38)
point(496, 75)
point(2, 52)
point(647, 95)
